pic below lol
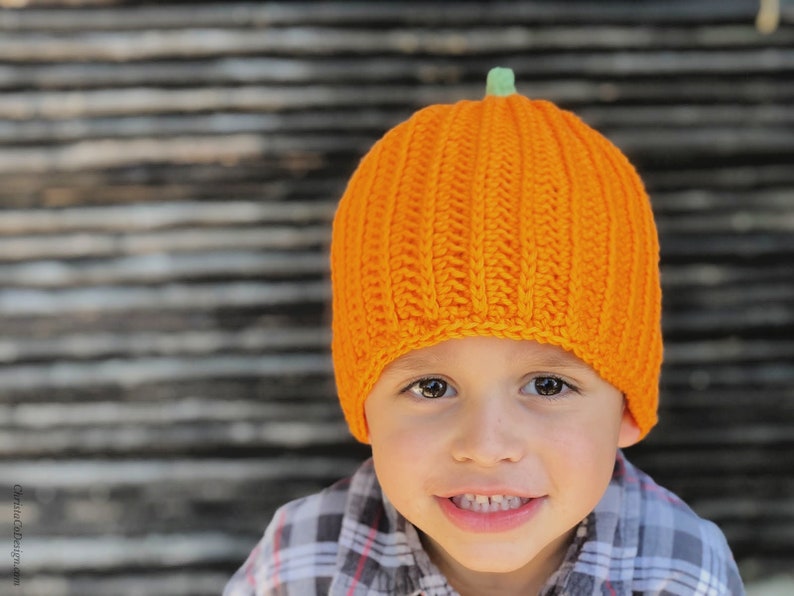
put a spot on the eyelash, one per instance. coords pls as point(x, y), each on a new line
point(555, 396)
point(552, 397)
point(412, 384)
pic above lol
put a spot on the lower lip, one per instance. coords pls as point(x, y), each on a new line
point(496, 521)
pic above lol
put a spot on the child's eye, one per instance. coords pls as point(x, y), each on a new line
point(431, 388)
point(546, 386)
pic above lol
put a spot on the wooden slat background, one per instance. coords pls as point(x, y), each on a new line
point(168, 172)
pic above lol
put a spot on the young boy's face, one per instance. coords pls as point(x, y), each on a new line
point(527, 425)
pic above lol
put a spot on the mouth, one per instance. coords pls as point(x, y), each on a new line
point(479, 513)
point(488, 503)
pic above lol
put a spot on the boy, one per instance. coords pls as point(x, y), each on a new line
point(496, 340)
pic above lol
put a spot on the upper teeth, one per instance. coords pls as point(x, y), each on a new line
point(488, 503)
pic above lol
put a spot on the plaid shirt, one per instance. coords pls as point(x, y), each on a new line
point(349, 540)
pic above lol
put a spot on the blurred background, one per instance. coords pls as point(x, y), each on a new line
point(168, 173)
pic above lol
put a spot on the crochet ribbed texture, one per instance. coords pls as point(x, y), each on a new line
point(506, 217)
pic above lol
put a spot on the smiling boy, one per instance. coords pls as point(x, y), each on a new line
point(496, 340)
point(496, 454)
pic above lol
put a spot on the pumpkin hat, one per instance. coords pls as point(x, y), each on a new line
point(506, 217)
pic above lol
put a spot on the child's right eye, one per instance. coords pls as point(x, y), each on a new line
point(431, 388)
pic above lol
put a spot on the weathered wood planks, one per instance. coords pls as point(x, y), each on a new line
point(168, 174)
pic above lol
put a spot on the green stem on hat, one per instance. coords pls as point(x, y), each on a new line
point(501, 82)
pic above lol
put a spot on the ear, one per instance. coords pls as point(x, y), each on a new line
point(368, 438)
point(629, 431)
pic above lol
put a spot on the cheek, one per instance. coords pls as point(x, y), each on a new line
point(583, 468)
point(599, 447)
point(403, 466)
point(406, 452)
point(399, 430)
point(400, 442)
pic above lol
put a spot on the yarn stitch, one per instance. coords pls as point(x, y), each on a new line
point(506, 217)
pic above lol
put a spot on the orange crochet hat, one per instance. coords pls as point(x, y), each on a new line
point(506, 217)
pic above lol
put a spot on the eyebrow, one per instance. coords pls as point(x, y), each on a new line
point(412, 362)
point(563, 360)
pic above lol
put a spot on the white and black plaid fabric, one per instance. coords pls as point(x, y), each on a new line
point(348, 540)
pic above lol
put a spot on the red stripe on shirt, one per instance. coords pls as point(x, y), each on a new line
point(277, 547)
point(360, 569)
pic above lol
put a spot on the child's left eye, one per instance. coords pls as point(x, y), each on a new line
point(546, 386)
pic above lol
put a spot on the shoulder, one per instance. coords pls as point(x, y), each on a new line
point(677, 551)
point(298, 552)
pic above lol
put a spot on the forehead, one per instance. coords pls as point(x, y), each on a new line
point(510, 351)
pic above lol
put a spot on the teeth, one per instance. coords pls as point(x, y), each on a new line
point(486, 504)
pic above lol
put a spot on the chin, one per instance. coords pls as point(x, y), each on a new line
point(503, 559)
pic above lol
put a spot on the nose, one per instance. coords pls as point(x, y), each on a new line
point(488, 431)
